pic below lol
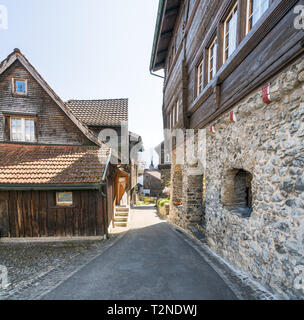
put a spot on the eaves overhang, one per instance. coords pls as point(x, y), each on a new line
point(167, 15)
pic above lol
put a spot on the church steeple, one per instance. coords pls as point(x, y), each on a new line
point(151, 165)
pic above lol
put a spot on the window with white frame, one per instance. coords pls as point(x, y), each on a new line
point(22, 129)
point(212, 52)
point(200, 78)
point(64, 199)
point(230, 32)
point(255, 10)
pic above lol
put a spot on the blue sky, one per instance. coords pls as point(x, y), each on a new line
point(92, 49)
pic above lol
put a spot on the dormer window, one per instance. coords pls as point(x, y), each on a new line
point(22, 129)
point(20, 87)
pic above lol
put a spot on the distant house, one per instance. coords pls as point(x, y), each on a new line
point(98, 115)
point(152, 181)
point(164, 166)
point(56, 175)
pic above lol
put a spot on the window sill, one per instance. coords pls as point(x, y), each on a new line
point(63, 207)
point(22, 142)
point(241, 212)
point(19, 95)
point(204, 95)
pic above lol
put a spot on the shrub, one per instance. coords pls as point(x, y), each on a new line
point(148, 200)
point(162, 202)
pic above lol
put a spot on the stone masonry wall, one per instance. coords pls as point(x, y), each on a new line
point(188, 189)
point(267, 142)
point(165, 176)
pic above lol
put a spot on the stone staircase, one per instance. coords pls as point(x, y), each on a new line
point(121, 217)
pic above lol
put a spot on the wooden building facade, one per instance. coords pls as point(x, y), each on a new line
point(35, 214)
point(185, 33)
point(56, 176)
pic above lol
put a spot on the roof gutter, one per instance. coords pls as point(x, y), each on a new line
point(156, 35)
point(106, 168)
point(49, 187)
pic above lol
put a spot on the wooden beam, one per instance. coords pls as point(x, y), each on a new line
point(167, 33)
point(162, 52)
point(172, 11)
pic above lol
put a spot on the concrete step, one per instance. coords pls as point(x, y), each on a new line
point(122, 214)
point(122, 209)
point(121, 219)
point(121, 224)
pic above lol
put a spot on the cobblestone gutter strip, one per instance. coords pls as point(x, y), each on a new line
point(243, 286)
point(49, 273)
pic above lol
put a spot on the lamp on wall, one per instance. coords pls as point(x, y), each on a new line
point(212, 129)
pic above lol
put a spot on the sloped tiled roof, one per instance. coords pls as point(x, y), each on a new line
point(154, 173)
point(110, 112)
point(36, 164)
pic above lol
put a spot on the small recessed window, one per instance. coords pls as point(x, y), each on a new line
point(255, 10)
point(64, 199)
point(20, 86)
point(22, 130)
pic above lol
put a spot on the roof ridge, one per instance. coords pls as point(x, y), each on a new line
point(106, 99)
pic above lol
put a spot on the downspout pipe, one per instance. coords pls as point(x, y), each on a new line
point(107, 166)
point(103, 182)
point(156, 75)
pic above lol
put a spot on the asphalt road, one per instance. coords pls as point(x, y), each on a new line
point(151, 262)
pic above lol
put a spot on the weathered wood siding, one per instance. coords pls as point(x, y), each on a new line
point(261, 54)
point(35, 214)
point(53, 126)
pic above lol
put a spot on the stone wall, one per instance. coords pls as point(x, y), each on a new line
point(267, 142)
point(165, 176)
point(254, 201)
point(187, 189)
